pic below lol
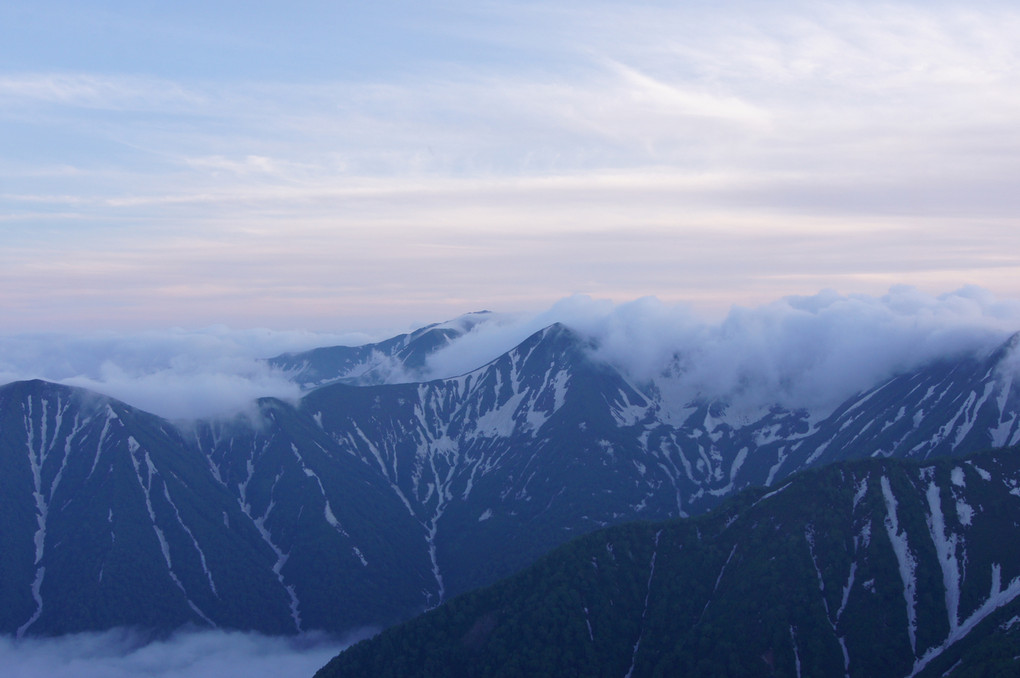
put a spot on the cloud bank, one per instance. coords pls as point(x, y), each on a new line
point(801, 352)
point(198, 654)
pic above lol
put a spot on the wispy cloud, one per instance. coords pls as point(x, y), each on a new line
point(97, 91)
point(787, 88)
point(873, 132)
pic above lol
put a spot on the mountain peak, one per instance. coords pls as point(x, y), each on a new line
point(44, 388)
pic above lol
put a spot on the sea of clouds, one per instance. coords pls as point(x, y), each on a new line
point(122, 653)
point(808, 351)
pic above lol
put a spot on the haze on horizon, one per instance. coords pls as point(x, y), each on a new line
point(334, 167)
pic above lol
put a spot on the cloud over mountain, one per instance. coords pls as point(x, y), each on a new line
point(174, 373)
point(798, 351)
point(809, 351)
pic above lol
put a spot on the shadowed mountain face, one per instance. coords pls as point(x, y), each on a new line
point(874, 568)
point(110, 519)
point(364, 504)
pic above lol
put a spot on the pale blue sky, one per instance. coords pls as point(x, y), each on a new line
point(337, 166)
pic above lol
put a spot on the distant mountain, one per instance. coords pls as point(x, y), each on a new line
point(400, 358)
point(871, 568)
point(363, 504)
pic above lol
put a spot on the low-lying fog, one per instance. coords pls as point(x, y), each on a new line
point(122, 653)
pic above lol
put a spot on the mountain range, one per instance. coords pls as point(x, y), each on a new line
point(366, 501)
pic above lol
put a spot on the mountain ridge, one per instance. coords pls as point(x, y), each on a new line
point(871, 567)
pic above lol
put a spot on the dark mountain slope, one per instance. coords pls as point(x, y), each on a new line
point(873, 568)
point(346, 551)
point(110, 520)
point(110, 517)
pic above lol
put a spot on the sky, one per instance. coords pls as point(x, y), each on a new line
point(338, 166)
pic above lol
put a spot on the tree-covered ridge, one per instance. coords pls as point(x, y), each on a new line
point(871, 568)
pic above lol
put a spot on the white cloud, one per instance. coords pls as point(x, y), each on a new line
point(176, 374)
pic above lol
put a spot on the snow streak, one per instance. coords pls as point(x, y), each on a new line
point(997, 597)
point(146, 485)
point(809, 536)
point(905, 559)
point(267, 537)
point(39, 448)
point(946, 546)
point(796, 653)
point(644, 612)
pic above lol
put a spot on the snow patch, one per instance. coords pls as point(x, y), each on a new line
point(985, 475)
point(629, 415)
point(775, 469)
point(862, 489)
point(964, 511)
point(957, 477)
point(737, 463)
